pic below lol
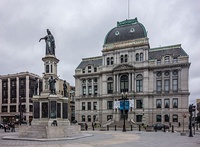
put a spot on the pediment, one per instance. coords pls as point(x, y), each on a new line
point(122, 67)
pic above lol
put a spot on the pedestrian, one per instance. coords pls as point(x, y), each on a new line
point(179, 124)
point(86, 126)
point(13, 127)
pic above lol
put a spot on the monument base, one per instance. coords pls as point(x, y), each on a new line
point(42, 131)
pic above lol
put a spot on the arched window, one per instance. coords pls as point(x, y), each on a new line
point(166, 117)
point(137, 57)
point(141, 56)
point(83, 118)
point(124, 83)
point(110, 85)
point(158, 118)
point(111, 61)
point(175, 118)
point(89, 118)
point(139, 83)
point(126, 58)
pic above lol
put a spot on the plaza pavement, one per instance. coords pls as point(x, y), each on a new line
point(110, 139)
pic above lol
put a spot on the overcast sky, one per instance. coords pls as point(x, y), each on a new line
point(80, 26)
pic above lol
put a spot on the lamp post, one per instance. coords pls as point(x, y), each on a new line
point(124, 97)
point(20, 112)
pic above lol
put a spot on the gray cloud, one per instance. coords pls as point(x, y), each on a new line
point(79, 28)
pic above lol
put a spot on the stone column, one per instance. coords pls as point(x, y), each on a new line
point(117, 83)
point(129, 82)
point(171, 90)
point(27, 99)
point(114, 84)
point(92, 86)
point(1, 97)
point(86, 81)
point(133, 82)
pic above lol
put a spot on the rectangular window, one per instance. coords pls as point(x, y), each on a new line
point(89, 105)
point(166, 118)
point(175, 60)
point(47, 68)
point(83, 105)
point(126, 58)
point(175, 103)
point(158, 103)
point(112, 61)
point(90, 90)
point(166, 103)
point(108, 61)
point(94, 105)
point(159, 86)
point(158, 62)
point(95, 89)
point(122, 58)
point(167, 59)
point(110, 87)
point(175, 118)
point(158, 118)
point(166, 82)
point(84, 90)
point(4, 109)
point(175, 84)
point(139, 104)
point(95, 69)
point(138, 118)
point(109, 104)
point(139, 85)
point(89, 69)
point(12, 108)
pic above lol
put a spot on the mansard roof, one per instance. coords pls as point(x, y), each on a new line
point(174, 51)
point(94, 61)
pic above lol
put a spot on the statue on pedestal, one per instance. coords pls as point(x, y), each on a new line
point(65, 89)
point(52, 87)
point(50, 43)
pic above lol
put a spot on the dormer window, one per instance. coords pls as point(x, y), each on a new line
point(167, 59)
point(108, 61)
point(83, 70)
point(175, 60)
point(89, 69)
point(158, 62)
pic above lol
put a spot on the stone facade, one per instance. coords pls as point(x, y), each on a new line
point(155, 80)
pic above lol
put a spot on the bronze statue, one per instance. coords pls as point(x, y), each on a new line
point(50, 43)
point(65, 89)
point(52, 87)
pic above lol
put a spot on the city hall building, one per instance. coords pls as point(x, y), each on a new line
point(153, 80)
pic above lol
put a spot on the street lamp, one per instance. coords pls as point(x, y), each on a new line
point(124, 97)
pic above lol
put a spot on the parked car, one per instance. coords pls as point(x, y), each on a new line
point(160, 126)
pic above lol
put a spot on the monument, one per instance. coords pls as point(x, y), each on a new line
point(50, 109)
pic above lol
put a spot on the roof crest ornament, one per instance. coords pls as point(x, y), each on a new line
point(127, 22)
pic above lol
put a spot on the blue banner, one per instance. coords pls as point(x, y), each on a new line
point(126, 105)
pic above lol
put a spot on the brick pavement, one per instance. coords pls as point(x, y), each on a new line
point(112, 139)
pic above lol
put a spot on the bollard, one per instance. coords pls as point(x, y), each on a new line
point(139, 128)
point(107, 127)
point(172, 128)
point(131, 128)
point(164, 129)
point(115, 128)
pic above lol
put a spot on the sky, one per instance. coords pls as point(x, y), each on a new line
point(80, 26)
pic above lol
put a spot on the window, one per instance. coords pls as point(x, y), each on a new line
point(175, 60)
point(47, 68)
point(110, 85)
point(89, 69)
point(124, 83)
point(122, 58)
point(4, 108)
point(139, 83)
point(139, 104)
point(167, 59)
point(109, 117)
point(158, 118)
point(175, 118)
point(158, 103)
point(159, 86)
point(158, 62)
point(94, 105)
point(175, 103)
point(141, 56)
point(51, 68)
point(175, 84)
point(89, 105)
point(138, 118)
point(83, 118)
point(126, 58)
point(166, 103)
point(84, 90)
point(166, 118)
point(109, 104)
point(83, 105)
point(111, 61)
point(12, 108)
point(83, 70)
point(95, 89)
point(89, 90)
point(89, 118)
point(166, 82)
point(137, 57)
point(95, 69)
point(108, 61)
